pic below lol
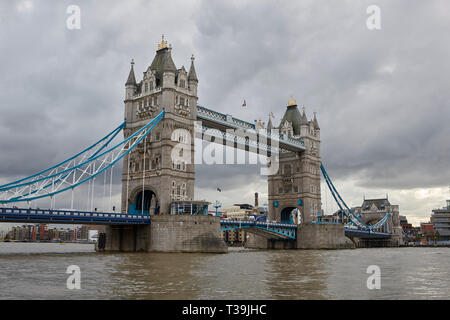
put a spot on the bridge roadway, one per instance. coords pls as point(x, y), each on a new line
point(266, 229)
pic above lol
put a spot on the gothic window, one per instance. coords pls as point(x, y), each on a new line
point(153, 164)
point(287, 169)
point(280, 190)
point(151, 85)
point(176, 100)
point(146, 87)
point(182, 83)
point(182, 101)
point(295, 188)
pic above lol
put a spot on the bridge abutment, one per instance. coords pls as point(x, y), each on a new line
point(167, 233)
point(255, 241)
point(186, 233)
point(323, 236)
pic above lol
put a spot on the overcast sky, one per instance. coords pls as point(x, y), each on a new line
point(381, 96)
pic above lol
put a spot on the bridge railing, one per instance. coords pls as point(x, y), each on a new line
point(51, 213)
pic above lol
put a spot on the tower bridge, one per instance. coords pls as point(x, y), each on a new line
point(162, 117)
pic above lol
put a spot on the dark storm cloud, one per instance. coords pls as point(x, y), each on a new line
point(381, 96)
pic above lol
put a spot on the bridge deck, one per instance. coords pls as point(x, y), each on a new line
point(276, 230)
point(69, 217)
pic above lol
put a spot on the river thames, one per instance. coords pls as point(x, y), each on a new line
point(38, 271)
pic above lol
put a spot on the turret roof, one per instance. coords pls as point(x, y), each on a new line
point(292, 115)
point(192, 74)
point(131, 78)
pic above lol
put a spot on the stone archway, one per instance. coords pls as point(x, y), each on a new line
point(144, 201)
point(286, 215)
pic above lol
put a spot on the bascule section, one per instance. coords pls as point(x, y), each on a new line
point(296, 186)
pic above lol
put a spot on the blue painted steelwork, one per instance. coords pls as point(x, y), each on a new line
point(221, 120)
point(278, 230)
point(353, 218)
point(110, 135)
point(366, 234)
point(139, 135)
point(69, 217)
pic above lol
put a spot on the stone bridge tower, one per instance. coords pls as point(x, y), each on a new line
point(297, 183)
point(150, 179)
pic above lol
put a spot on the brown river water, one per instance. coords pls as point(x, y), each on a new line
point(38, 271)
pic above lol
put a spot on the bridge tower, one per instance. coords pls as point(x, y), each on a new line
point(150, 179)
point(297, 183)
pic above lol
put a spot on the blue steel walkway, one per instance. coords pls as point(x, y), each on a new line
point(69, 217)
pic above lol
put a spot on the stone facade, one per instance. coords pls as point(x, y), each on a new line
point(165, 180)
point(298, 177)
point(373, 210)
point(167, 233)
point(186, 233)
point(323, 236)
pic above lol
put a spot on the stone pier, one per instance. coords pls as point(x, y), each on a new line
point(167, 233)
point(323, 236)
point(309, 236)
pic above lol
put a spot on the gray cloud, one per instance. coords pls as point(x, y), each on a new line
point(381, 96)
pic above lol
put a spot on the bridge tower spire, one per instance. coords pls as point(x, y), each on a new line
point(167, 174)
point(296, 185)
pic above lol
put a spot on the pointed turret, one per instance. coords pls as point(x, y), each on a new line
point(169, 65)
point(163, 62)
point(292, 115)
point(304, 119)
point(315, 122)
point(192, 76)
point(131, 78)
point(269, 124)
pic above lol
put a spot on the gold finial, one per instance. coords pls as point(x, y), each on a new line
point(163, 43)
point(292, 102)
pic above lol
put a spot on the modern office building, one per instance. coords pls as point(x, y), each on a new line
point(440, 218)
